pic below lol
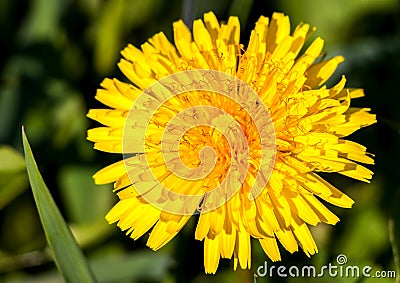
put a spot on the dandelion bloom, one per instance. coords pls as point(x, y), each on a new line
point(235, 136)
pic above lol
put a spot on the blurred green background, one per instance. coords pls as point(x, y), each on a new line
point(54, 56)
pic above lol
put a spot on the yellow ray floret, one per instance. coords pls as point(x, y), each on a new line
point(310, 122)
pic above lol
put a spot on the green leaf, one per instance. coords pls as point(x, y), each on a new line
point(331, 19)
point(67, 254)
point(12, 160)
point(11, 186)
point(84, 201)
point(42, 21)
point(140, 265)
point(13, 178)
point(113, 21)
point(89, 234)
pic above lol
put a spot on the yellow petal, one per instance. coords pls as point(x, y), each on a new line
point(270, 247)
point(182, 38)
point(321, 72)
point(227, 243)
point(108, 117)
point(278, 30)
point(112, 96)
point(211, 254)
point(287, 239)
point(110, 173)
point(304, 236)
point(242, 252)
point(201, 36)
point(230, 33)
point(212, 25)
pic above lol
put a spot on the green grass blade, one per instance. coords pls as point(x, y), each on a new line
point(68, 256)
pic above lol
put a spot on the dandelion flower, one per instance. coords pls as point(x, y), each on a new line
point(234, 136)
